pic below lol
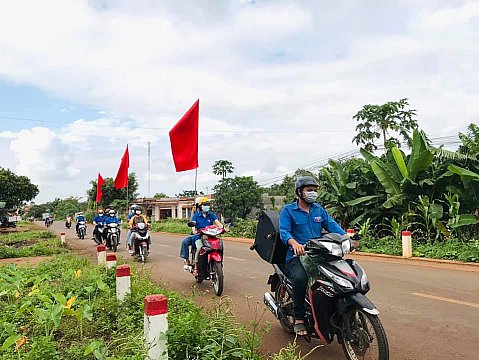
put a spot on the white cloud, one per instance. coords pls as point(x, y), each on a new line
point(284, 66)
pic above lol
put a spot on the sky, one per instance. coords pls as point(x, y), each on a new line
point(278, 82)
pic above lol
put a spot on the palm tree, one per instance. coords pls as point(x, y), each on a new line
point(223, 167)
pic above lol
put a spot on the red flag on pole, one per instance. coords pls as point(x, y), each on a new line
point(184, 140)
point(99, 184)
point(121, 179)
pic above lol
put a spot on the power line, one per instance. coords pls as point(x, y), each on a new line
point(244, 131)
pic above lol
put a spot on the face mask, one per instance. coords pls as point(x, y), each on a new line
point(310, 196)
point(205, 208)
point(100, 214)
point(111, 215)
point(138, 212)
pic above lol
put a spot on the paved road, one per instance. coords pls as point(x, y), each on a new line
point(429, 311)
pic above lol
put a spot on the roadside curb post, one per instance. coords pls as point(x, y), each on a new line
point(123, 283)
point(155, 327)
point(62, 238)
point(101, 250)
point(110, 260)
point(406, 244)
point(350, 232)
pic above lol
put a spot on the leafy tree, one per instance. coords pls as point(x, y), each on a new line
point(376, 121)
point(160, 195)
point(350, 191)
point(223, 167)
point(236, 197)
point(110, 193)
point(286, 187)
point(14, 189)
point(470, 141)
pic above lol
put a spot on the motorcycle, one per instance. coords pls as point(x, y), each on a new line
point(81, 229)
point(335, 302)
point(68, 224)
point(141, 239)
point(48, 222)
point(98, 238)
point(210, 260)
point(112, 236)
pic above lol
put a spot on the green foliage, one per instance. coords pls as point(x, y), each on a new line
point(286, 187)
point(32, 243)
point(160, 195)
point(61, 208)
point(52, 306)
point(15, 189)
point(110, 193)
point(376, 121)
point(176, 226)
point(470, 141)
point(236, 197)
point(245, 228)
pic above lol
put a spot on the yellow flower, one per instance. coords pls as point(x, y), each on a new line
point(34, 290)
point(77, 274)
point(20, 342)
point(70, 302)
point(17, 295)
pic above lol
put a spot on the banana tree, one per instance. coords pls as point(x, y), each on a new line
point(400, 179)
point(348, 191)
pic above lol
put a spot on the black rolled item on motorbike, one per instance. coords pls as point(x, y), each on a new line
point(267, 241)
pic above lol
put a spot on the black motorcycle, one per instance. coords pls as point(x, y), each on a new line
point(336, 302)
point(112, 236)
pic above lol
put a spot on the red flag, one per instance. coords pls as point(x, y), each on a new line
point(121, 179)
point(99, 184)
point(184, 140)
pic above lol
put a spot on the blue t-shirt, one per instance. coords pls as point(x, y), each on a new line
point(99, 219)
point(204, 221)
point(130, 215)
point(80, 218)
point(296, 223)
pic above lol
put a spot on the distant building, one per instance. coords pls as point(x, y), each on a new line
point(164, 208)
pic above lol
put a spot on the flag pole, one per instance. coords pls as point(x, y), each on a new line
point(196, 178)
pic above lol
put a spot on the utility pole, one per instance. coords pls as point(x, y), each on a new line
point(149, 168)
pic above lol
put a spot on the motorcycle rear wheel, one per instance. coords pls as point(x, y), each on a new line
point(285, 303)
point(369, 338)
point(218, 277)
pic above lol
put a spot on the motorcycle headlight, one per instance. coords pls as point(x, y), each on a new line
point(338, 279)
point(346, 246)
point(333, 248)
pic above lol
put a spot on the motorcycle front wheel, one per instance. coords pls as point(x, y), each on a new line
point(218, 277)
point(368, 341)
point(114, 243)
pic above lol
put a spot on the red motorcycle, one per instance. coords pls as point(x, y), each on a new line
point(210, 260)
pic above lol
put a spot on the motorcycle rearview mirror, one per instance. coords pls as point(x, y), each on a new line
point(192, 223)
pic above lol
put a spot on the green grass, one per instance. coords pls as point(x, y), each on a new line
point(451, 249)
point(33, 305)
point(29, 243)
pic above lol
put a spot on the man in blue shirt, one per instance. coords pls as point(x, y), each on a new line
point(111, 218)
point(98, 221)
point(300, 221)
point(80, 217)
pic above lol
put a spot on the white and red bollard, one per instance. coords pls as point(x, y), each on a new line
point(406, 244)
point(156, 325)
point(350, 232)
point(62, 238)
point(123, 283)
point(101, 251)
point(110, 260)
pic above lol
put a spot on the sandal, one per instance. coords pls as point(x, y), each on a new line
point(195, 272)
point(300, 328)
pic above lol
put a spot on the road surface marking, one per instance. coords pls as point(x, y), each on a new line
point(459, 302)
point(235, 258)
